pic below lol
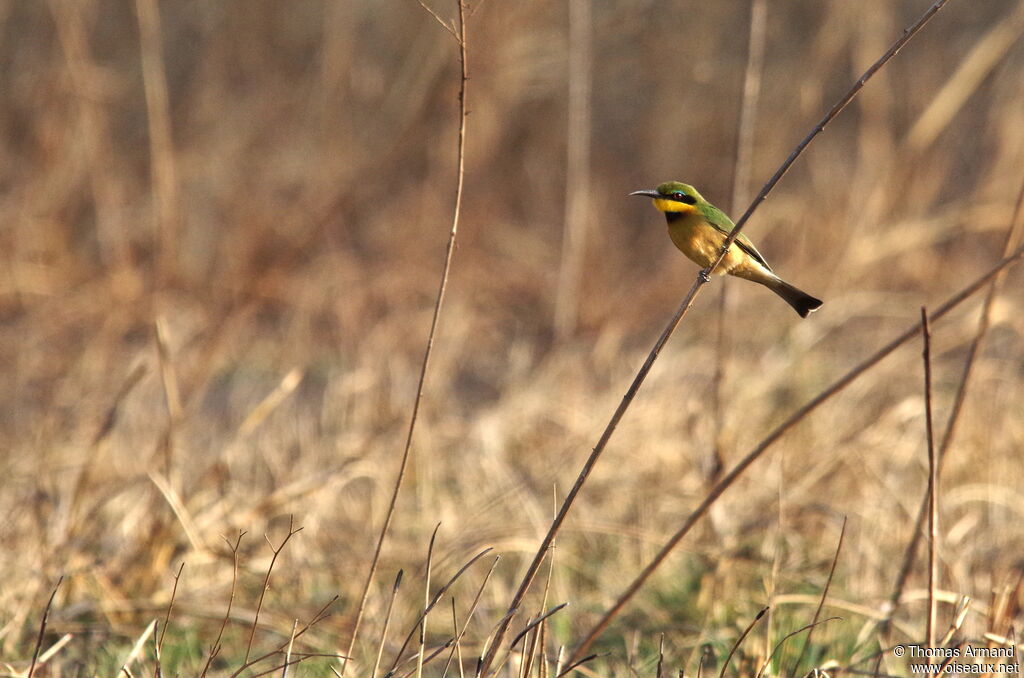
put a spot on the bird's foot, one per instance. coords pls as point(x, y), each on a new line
point(705, 275)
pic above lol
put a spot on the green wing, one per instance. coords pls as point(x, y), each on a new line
point(723, 223)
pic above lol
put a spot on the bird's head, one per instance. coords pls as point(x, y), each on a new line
point(674, 196)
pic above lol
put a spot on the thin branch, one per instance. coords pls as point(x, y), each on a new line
point(288, 653)
point(216, 647)
point(821, 603)
point(577, 664)
point(438, 304)
point(933, 478)
point(426, 600)
point(387, 623)
point(661, 657)
point(739, 641)
point(702, 278)
point(777, 433)
point(437, 597)
point(266, 583)
point(317, 618)
point(808, 627)
point(535, 622)
point(42, 628)
point(444, 24)
point(170, 606)
point(472, 610)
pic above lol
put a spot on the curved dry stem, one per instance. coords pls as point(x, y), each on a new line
point(42, 628)
point(739, 641)
point(817, 612)
point(438, 304)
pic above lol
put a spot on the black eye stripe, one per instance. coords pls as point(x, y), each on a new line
point(679, 196)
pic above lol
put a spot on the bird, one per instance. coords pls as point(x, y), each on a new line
point(699, 229)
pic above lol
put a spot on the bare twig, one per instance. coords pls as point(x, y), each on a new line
point(42, 628)
point(437, 597)
point(444, 24)
point(821, 604)
point(781, 430)
point(288, 653)
point(430, 657)
point(387, 623)
point(808, 627)
point(266, 582)
point(317, 618)
point(472, 610)
point(216, 647)
point(933, 478)
point(158, 671)
point(575, 665)
point(535, 622)
point(661, 656)
point(438, 304)
point(684, 306)
point(170, 605)
point(739, 641)
point(426, 600)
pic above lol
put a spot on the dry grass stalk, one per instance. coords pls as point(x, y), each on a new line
point(426, 599)
point(808, 627)
point(739, 641)
point(433, 601)
point(288, 653)
point(461, 39)
point(387, 623)
point(933, 481)
point(821, 603)
point(158, 639)
point(139, 645)
point(457, 649)
point(42, 629)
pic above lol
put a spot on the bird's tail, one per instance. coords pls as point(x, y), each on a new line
point(801, 302)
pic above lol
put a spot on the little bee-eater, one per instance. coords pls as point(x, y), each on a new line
point(699, 230)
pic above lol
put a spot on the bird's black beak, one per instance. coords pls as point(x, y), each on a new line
point(647, 194)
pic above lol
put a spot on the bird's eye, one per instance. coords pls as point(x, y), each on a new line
point(682, 197)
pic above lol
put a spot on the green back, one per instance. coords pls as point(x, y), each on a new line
point(722, 222)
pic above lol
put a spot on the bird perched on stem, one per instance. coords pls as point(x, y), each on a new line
point(699, 230)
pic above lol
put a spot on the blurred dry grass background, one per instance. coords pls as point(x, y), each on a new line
point(221, 194)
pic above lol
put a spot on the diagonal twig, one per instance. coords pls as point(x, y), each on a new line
point(821, 603)
point(933, 477)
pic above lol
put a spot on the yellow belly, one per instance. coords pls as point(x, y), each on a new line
point(702, 243)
